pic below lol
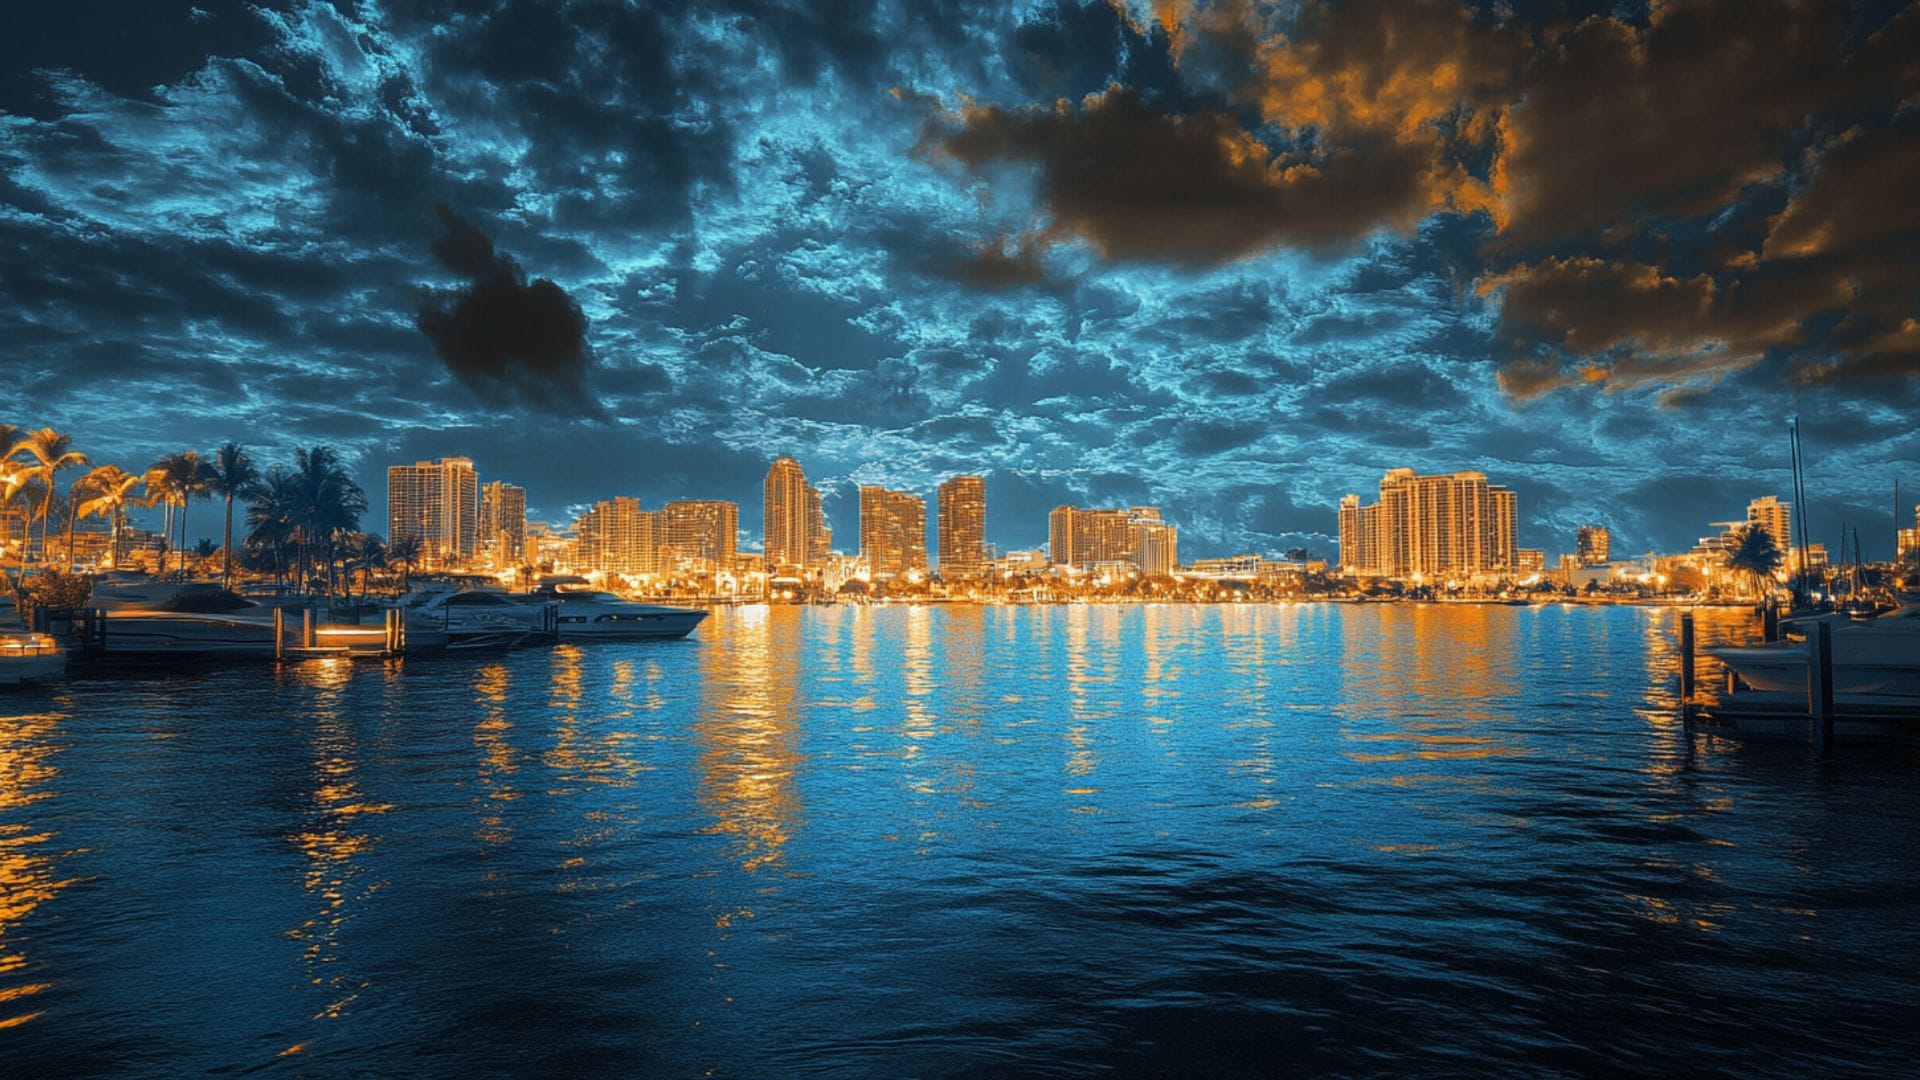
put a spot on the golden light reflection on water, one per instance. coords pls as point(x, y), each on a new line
point(499, 761)
point(28, 865)
point(1438, 676)
point(337, 831)
point(747, 735)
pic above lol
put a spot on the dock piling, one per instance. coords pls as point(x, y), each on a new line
point(279, 633)
point(1769, 623)
point(1686, 659)
point(1820, 684)
point(306, 628)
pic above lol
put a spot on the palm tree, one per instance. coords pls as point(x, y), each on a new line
point(175, 480)
point(51, 452)
point(233, 474)
point(331, 502)
point(405, 550)
point(271, 518)
point(108, 489)
point(1754, 554)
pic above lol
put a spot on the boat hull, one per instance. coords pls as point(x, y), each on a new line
point(650, 626)
point(1784, 668)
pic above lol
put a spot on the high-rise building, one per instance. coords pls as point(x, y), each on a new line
point(791, 507)
point(1087, 538)
point(1776, 518)
point(502, 526)
point(819, 537)
point(438, 502)
point(1154, 545)
point(1431, 525)
point(963, 527)
point(1592, 545)
point(700, 532)
point(1505, 506)
point(893, 531)
point(618, 537)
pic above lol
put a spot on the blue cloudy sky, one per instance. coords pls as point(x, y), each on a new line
point(1234, 259)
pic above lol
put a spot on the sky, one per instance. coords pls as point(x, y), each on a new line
point(1231, 259)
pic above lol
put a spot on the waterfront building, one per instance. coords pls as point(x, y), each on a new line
point(819, 536)
point(1080, 538)
point(1906, 542)
point(1153, 545)
point(618, 537)
point(962, 527)
point(701, 533)
point(1776, 518)
point(790, 507)
point(893, 531)
point(551, 547)
point(1593, 545)
point(438, 502)
point(1456, 524)
point(502, 527)
point(1530, 561)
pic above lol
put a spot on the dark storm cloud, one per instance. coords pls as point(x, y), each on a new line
point(505, 337)
point(1139, 183)
point(1675, 194)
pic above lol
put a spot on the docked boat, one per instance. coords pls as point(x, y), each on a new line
point(588, 614)
point(466, 620)
point(196, 619)
point(1879, 656)
point(27, 658)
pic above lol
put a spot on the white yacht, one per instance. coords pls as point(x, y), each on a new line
point(1876, 656)
point(589, 614)
point(466, 620)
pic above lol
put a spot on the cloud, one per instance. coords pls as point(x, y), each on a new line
point(506, 338)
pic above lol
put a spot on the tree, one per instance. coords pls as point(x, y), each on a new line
point(176, 480)
point(405, 550)
point(331, 502)
point(271, 519)
point(102, 491)
point(1754, 555)
point(51, 451)
point(232, 474)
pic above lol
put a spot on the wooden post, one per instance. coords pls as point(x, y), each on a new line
point(279, 632)
point(306, 628)
point(1770, 623)
point(1686, 659)
point(1820, 683)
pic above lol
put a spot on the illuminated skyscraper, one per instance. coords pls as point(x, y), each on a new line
point(439, 502)
point(1153, 545)
point(1592, 545)
point(1776, 518)
point(703, 533)
point(502, 527)
point(1430, 525)
point(618, 537)
point(789, 512)
point(962, 527)
point(1085, 538)
point(893, 531)
point(819, 537)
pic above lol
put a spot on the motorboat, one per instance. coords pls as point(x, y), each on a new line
point(148, 618)
point(466, 620)
point(27, 658)
point(1876, 656)
point(589, 614)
